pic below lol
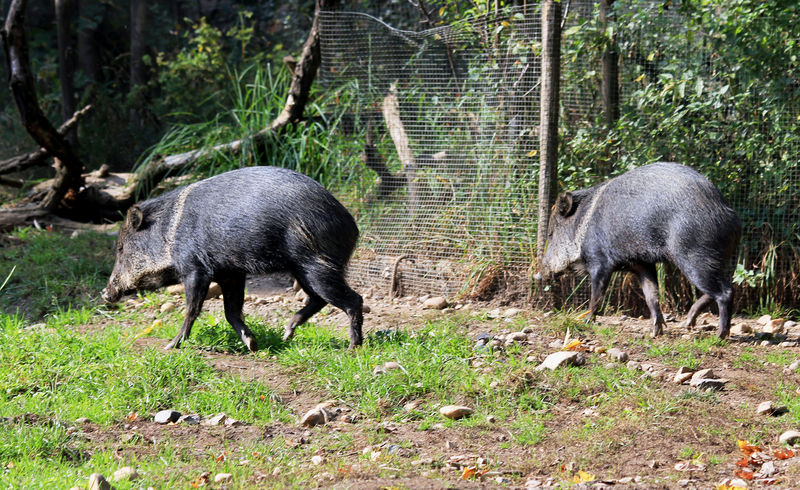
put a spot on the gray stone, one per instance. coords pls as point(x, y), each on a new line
point(455, 412)
point(561, 358)
point(617, 354)
point(214, 290)
point(740, 329)
point(790, 437)
point(126, 473)
point(517, 337)
point(82, 420)
point(98, 482)
point(166, 416)
point(316, 416)
point(683, 375)
point(223, 477)
point(707, 384)
point(167, 307)
point(435, 303)
point(635, 365)
point(703, 374)
point(192, 419)
point(218, 419)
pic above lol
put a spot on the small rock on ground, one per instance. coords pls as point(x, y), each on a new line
point(192, 419)
point(703, 374)
point(708, 384)
point(166, 416)
point(561, 358)
point(790, 437)
point(435, 303)
point(218, 419)
point(316, 416)
point(683, 375)
point(617, 354)
point(125, 473)
point(98, 482)
point(455, 412)
point(222, 477)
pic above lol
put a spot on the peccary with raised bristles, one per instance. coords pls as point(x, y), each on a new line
point(253, 220)
point(655, 213)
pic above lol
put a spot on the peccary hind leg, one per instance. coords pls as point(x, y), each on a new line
point(709, 280)
point(233, 299)
point(695, 310)
point(196, 286)
point(329, 285)
point(314, 304)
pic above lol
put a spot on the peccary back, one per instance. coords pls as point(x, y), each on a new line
point(659, 212)
point(253, 220)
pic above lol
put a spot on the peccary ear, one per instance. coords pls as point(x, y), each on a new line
point(135, 217)
point(566, 204)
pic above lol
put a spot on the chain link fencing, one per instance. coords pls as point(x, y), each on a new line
point(442, 131)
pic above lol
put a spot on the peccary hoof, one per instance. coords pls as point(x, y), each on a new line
point(251, 344)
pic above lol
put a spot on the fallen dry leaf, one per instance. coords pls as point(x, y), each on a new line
point(132, 416)
point(743, 462)
point(783, 453)
point(690, 466)
point(744, 474)
point(583, 477)
point(748, 448)
point(574, 345)
point(469, 472)
point(201, 480)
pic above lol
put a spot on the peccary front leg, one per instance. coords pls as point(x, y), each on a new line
point(649, 280)
point(196, 286)
point(233, 300)
point(600, 276)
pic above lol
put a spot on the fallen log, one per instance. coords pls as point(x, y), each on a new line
point(40, 156)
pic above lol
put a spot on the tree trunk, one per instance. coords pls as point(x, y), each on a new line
point(69, 180)
point(87, 42)
point(548, 118)
point(610, 62)
point(66, 65)
point(137, 68)
point(40, 156)
point(610, 82)
point(391, 115)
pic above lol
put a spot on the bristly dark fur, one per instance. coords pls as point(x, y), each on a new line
point(253, 220)
point(656, 213)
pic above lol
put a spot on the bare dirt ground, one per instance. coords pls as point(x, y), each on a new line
point(620, 451)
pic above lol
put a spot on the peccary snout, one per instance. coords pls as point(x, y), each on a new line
point(655, 213)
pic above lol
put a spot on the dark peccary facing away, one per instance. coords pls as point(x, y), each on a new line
point(253, 220)
point(656, 213)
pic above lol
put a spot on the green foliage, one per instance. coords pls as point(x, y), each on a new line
point(53, 271)
point(708, 84)
point(198, 75)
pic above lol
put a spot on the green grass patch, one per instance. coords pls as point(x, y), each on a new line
point(53, 271)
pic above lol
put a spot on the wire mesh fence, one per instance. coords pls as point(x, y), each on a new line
point(445, 137)
point(446, 120)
